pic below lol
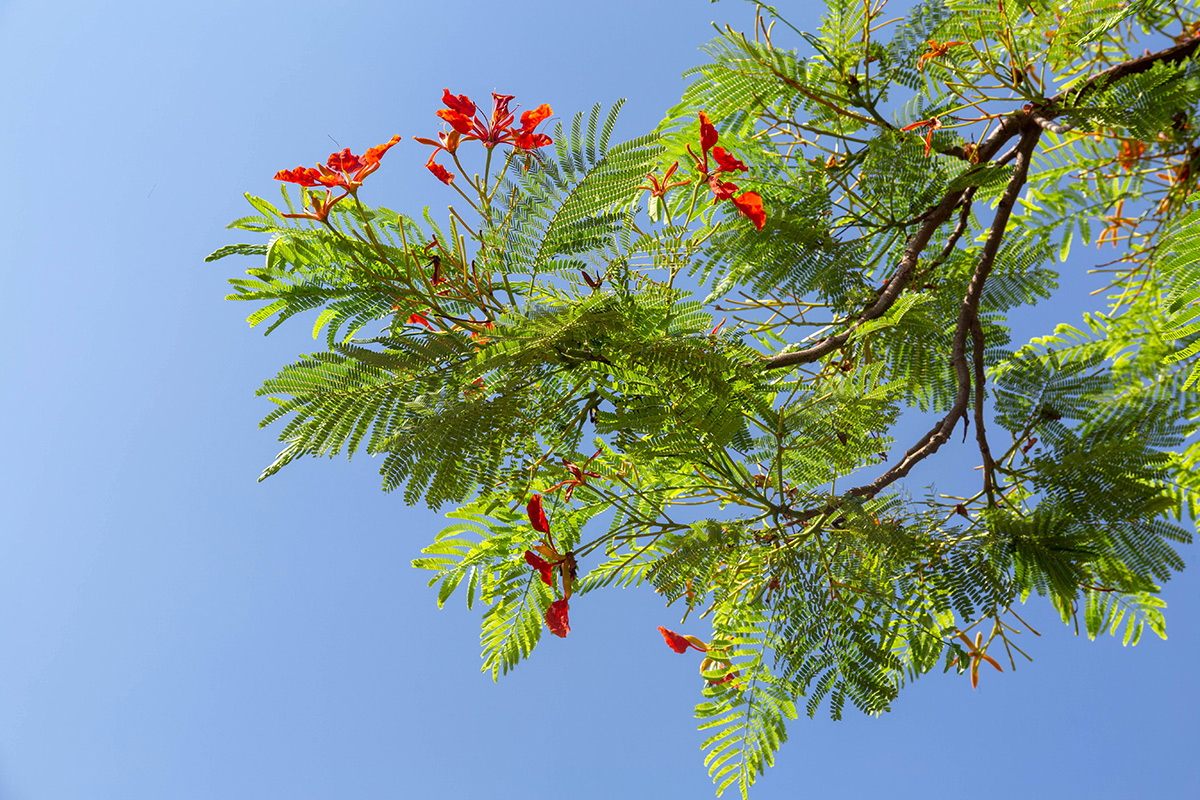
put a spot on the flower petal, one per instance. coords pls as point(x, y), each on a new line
point(460, 122)
point(345, 161)
point(674, 640)
point(531, 141)
point(462, 104)
point(537, 517)
point(305, 176)
point(727, 162)
point(722, 190)
point(501, 117)
point(373, 155)
point(708, 134)
point(556, 618)
point(531, 119)
point(541, 565)
point(750, 205)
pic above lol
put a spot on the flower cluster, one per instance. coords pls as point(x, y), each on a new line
point(342, 170)
point(564, 563)
point(467, 124)
point(748, 204)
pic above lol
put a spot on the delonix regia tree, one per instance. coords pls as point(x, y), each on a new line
point(676, 360)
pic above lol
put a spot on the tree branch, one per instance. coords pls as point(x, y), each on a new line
point(928, 444)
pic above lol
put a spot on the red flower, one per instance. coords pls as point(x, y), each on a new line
point(459, 122)
point(336, 171)
point(530, 141)
point(525, 138)
point(439, 172)
point(541, 565)
point(531, 119)
point(460, 114)
point(419, 319)
point(537, 517)
point(750, 205)
point(680, 643)
point(556, 618)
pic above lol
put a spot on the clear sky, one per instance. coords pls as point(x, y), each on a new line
point(171, 629)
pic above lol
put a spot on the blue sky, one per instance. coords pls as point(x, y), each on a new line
point(169, 628)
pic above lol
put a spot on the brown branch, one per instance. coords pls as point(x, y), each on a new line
point(928, 444)
point(989, 465)
point(1075, 94)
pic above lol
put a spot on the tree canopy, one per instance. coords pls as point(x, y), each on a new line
point(677, 360)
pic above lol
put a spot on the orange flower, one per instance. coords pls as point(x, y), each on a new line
point(419, 319)
point(467, 125)
point(935, 51)
point(932, 124)
point(976, 652)
point(750, 205)
point(659, 188)
point(525, 138)
point(708, 134)
point(305, 176)
point(1131, 153)
point(556, 618)
point(320, 210)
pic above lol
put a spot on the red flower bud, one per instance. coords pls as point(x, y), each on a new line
point(440, 172)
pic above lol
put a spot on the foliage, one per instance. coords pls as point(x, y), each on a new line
point(736, 363)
